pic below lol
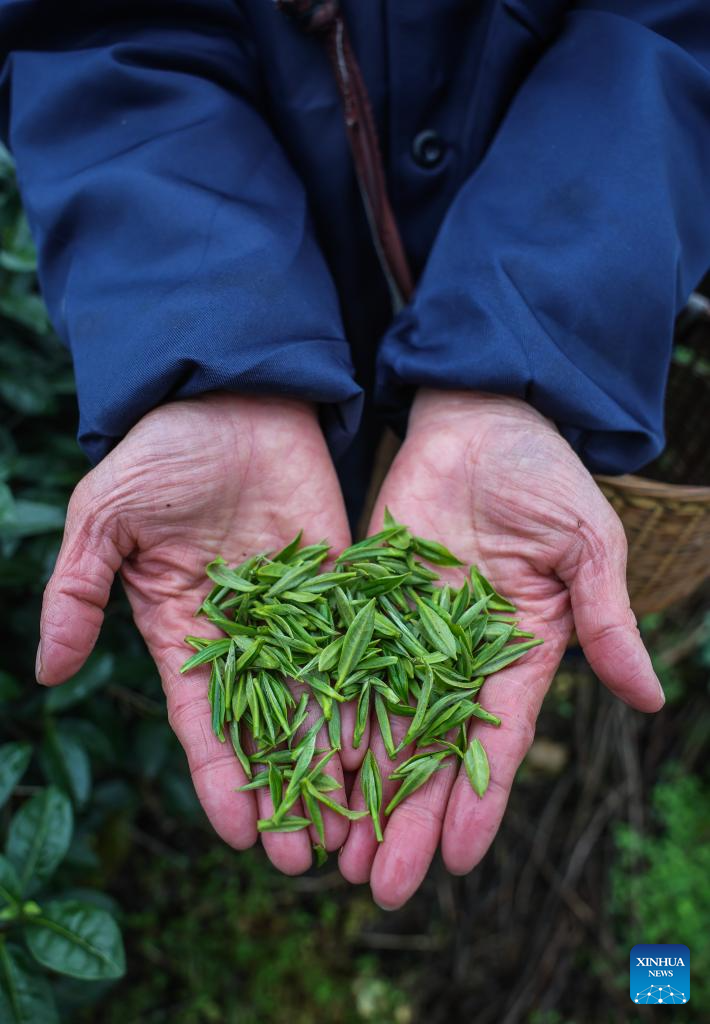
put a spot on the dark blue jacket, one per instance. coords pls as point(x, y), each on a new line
point(188, 182)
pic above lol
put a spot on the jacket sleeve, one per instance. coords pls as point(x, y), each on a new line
point(175, 250)
point(564, 259)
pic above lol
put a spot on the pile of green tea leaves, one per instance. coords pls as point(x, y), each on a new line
point(377, 630)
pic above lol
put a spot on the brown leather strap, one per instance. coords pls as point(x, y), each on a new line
point(324, 18)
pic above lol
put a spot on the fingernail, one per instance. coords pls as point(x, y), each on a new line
point(661, 694)
point(38, 664)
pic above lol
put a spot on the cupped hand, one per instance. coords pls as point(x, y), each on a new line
point(493, 480)
point(216, 475)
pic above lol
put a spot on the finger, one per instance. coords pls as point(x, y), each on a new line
point(358, 853)
point(595, 572)
point(515, 694)
point(78, 590)
point(410, 840)
point(215, 771)
point(350, 756)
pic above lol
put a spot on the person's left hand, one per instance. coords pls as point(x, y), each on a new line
point(493, 480)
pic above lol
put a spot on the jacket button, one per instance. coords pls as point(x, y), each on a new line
point(428, 149)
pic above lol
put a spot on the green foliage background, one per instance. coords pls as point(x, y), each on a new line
point(216, 936)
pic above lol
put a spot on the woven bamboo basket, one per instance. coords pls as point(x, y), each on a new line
point(666, 510)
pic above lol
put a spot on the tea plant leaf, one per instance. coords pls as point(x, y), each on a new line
point(38, 837)
point(334, 728)
point(77, 939)
point(292, 824)
point(315, 813)
point(508, 656)
point(65, 763)
point(341, 809)
point(356, 640)
point(362, 714)
point(385, 728)
point(421, 709)
point(286, 553)
point(25, 995)
point(432, 551)
point(477, 767)
point(93, 676)
point(14, 759)
point(420, 774)
point(207, 654)
point(238, 749)
point(10, 885)
point(220, 573)
point(437, 630)
point(371, 786)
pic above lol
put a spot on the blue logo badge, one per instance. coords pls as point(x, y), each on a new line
point(659, 973)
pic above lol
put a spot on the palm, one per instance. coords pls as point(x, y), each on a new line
point(215, 476)
point(498, 485)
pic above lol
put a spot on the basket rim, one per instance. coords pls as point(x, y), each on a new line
point(643, 487)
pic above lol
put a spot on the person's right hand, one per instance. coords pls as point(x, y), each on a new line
point(216, 475)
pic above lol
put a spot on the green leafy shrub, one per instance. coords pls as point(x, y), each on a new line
point(660, 883)
point(49, 927)
point(65, 934)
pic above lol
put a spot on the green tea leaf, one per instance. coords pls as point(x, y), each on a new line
point(275, 785)
point(437, 630)
point(292, 579)
point(461, 601)
point(260, 781)
point(219, 573)
point(420, 774)
point(340, 809)
point(316, 814)
point(477, 767)
point(214, 649)
point(362, 714)
point(326, 581)
point(218, 704)
point(371, 786)
point(484, 715)
point(384, 724)
point(287, 553)
point(481, 586)
point(238, 749)
point(292, 824)
point(432, 551)
point(421, 709)
point(334, 728)
point(329, 655)
point(489, 650)
point(473, 612)
point(508, 656)
point(385, 584)
point(356, 640)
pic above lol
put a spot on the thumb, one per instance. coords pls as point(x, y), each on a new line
point(78, 590)
point(594, 570)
